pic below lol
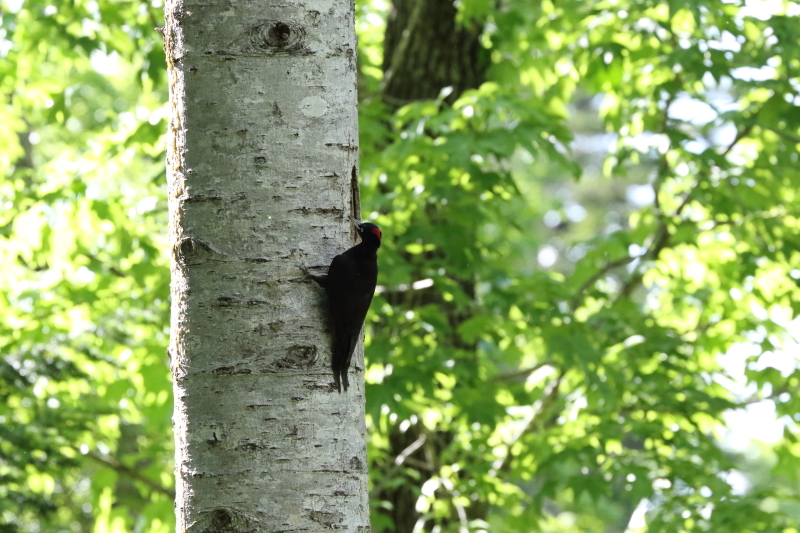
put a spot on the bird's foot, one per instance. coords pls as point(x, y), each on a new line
point(320, 280)
point(306, 273)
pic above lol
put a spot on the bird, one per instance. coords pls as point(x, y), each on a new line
point(350, 286)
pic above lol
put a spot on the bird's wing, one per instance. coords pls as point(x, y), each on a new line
point(348, 307)
point(349, 289)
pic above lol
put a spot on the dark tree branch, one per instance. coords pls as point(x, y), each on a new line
point(662, 235)
point(611, 265)
point(114, 270)
point(129, 472)
point(541, 420)
point(520, 373)
point(794, 139)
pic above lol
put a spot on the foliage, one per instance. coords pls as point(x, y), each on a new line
point(547, 353)
point(85, 438)
point(565, 396)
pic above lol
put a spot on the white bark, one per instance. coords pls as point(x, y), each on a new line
point(262, 165)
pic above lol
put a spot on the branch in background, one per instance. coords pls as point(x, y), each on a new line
point(153, 20)
point(401, 459)
point(129, 472)
point(769, 397)
point(662, 232)
point(411, 448)
point(786, 136)
point(660, 242)
point(739, 136)
point(419, 465)
point(114, 270)
point(520, 373)
point(541, 420)
point(663, 166)
point(611, 265)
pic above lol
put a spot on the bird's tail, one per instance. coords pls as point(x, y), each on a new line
point(342, 355)
point(339, 356)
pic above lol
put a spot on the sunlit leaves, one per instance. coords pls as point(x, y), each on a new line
point(567, 395)
point(614, 358)
point(85, 283)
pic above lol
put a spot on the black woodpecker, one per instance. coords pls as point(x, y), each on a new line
point(350, 285)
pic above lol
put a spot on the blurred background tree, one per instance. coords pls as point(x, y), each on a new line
point(589, 282)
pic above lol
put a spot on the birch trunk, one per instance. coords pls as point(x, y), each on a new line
point(262, 170)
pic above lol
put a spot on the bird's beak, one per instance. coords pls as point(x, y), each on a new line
point(356, 223)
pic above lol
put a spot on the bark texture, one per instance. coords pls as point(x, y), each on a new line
point(262, 170)
point(425, 50)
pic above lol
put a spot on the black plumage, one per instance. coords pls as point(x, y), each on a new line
point(350, 285)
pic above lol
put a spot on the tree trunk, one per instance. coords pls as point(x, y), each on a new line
point(262, 170)
point(426, 50)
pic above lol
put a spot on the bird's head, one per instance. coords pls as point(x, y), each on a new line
point(369, 232)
